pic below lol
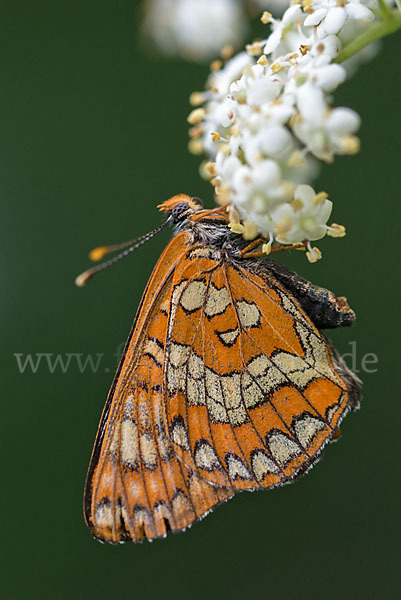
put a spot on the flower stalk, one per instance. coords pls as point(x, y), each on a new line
point(390, 23)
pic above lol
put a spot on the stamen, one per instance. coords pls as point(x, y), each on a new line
point(196, 116)
point(250, 230)
point(266, 17)
point(335, 230)
point(195, 146)
point(313, 254)
point(236, 228)
point(254, 49)
point(196, 98)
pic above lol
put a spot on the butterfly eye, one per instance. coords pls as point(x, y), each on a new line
point(179, 212)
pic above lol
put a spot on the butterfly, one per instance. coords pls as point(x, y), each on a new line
point(226, 383)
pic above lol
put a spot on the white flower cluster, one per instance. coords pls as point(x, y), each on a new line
point(194, 29)
point(266, 118)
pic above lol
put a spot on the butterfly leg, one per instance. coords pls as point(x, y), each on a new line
point(322, 306)
point(247, 251)
point(297, 246)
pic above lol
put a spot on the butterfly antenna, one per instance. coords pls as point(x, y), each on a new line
point(98, 253)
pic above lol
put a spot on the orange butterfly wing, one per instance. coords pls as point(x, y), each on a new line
point(136, 487)
point(253, 390)
point(225, 385)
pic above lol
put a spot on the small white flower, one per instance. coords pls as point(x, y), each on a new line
point(221, 80)
point(257, 191)
point(305, 218)
point(274, 141)
point(319, 72)
point(227, 166)
point(269, 141)
point(280, 111)
point(261, 186)
point(329, 46)
point(254, 87)
point(282, 27)
point(331, 18)
point(329, 133)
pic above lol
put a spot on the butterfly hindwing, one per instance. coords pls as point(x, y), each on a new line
point(252, 392)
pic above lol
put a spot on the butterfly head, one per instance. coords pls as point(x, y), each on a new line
point(181, 207)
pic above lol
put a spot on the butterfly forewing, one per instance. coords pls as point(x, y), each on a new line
point(136, 486)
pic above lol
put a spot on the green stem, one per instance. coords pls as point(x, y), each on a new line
point(388, 25)
point(385, 9)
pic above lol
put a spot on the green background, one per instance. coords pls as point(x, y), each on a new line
point(93, 135)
